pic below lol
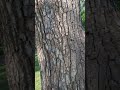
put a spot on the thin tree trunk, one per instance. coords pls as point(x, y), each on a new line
point(17, 19)
point(60, 44)
point(102, 45)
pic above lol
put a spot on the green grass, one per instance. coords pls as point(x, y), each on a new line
point(37, 75)
point(3, 79)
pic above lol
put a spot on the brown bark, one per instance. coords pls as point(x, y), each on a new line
point(102, 45)
point(17, 21)
point(60, 44)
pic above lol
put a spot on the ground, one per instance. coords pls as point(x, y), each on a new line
point(37, 75)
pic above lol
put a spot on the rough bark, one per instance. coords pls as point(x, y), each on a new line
point(17, 21)
point(102, 45)
point(60, 44)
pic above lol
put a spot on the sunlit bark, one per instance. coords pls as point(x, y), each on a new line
point(60, 43)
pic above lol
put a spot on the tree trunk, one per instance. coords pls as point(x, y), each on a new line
point(17, 19)
point(102, 45)
point(60, 43)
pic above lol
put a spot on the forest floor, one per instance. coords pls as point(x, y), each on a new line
point(3, 79)
point(37, 75)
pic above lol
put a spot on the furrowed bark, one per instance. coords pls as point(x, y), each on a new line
point(17, 20)
point(60, 43)
point(102, 45)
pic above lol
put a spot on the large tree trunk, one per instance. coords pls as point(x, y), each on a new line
point(60, 44)
point(17, 21)
point(102, 45)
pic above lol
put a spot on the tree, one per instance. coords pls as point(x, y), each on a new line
point(102, 45)
point(60, 44)
point(17, 27)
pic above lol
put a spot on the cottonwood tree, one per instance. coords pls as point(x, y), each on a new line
point(17, 28)
point(102, 45)
point(60, 44)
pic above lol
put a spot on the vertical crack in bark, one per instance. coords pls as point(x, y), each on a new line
point(63, 41)
point(102, 69)
point(17, 27)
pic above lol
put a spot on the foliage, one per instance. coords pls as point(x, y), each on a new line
point(82, 12)
point(1, 49)
point(117, 4)
point(83, 18)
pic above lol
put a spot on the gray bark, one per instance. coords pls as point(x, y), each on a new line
point(60, 43)
point(102, 45)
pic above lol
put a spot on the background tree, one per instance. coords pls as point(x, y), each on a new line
point(102, 45)
point(60, 43)
point(17, 21)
